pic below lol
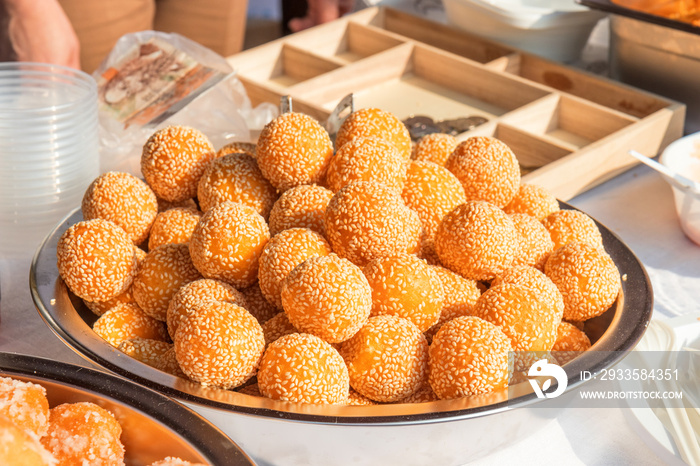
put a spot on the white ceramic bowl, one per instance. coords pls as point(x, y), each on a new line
point(683, 156)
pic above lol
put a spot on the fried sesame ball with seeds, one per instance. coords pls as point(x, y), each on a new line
point(167, 362)
point(24, 404)
point(146, 350)
point(236, 178)
point(293, 149)
point(367, 159)
point(173, 159)
point(282, 253)
point(366, 220)
point(387, 359)
point(100, 307)
point(192, 296)
point(460, 295)
point(570, 338)
point(83, 430)
point(587, 278)
point(173, 226)
point(487, 169)
point(477, 240)
point(327, 296)
point(20, 447)
point(221, 345)
point(435, 147)
point(468, 356)
point(127, 321)
point(96, 259)
point(257, 305)
point(227, 242)
point(535, 279)
point(534, 200)
point(529, 321)
point(534, 242)
point(405, 286)
point(377, 123)
point(566, 225)
point(303, 368)
point(237, 147)
point(277, 327)
point(163, 271)
point(123, 199)
point(302, 206)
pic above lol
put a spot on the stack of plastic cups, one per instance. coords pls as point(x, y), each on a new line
point(49, 150)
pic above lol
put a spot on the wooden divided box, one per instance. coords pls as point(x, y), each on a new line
point(569, 129)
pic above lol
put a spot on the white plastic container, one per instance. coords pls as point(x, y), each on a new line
point(554, 29)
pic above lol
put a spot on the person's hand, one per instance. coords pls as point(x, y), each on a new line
point(41, 32)
point(321, 11)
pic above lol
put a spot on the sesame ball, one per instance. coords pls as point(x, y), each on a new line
point(96, 259)
point(477, 240)
point(173, 226)
point(373, 122)
point(435, 147)
point(20, 446)
point(327, 296)
point(146, 350)
point(227, 242)
point(565, 226)
point(387, 359)
point(302, 206)
point(277, 327)
point(529, 322)
point(236, 178)
point(100, 307)
point(237, 147)
point(460, 295)
point(173, 159)
point(468, 356)
point(367, 159)
point(587, 278)
point(127, 321)
point(123, 199)
point(487, 169)
point(303, 368)
point(83, 430)
point(570, 338)
point(366, 220)
point(282, 253)
point(163, 271)
point(24, 404)
point(257, 305)
point(221, 345)
point(293, 149)
point(533, 278)
point(534, 200)
point(193, 296)
point(405, 286)
point(534, 242)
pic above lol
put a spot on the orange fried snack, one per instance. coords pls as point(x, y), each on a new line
point(376, 123)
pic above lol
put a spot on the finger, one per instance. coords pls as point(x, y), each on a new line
point(299, 24)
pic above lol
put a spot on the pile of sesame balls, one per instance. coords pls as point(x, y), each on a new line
point(361, 272)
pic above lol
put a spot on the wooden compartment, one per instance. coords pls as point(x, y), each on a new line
point(570, 129)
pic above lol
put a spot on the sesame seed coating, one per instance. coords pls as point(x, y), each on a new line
point(146, 350)
point(570, 338)
point(424, 394)
point(100, 307)
point(468, 356)
point(327, 296)
point(20, 446)
point(405, 286)
point(534, 242)
point(303, 368)
point(487, 169)
point(163, 271)
point(277, 327)
point(282, 253)
point(373, 122)
point(302, 206)
point(367, 159)
point(173, 159)
point(167, 362)
point(356, 399)
point(529, 322)
point(173, 226)
point(566, 225)
point(227, 242)
point(236, 178)
point(460, 295)
point(123, 199)
point(127, 321)
point(221, 345)
point(535, 279)
point(257, 305)
point(366, 220)
point(387, 359)
point(24, 404)
point(534, 200)
point(435, 147)
point(96, 259)
point(193, 296)
point(587, 278)
point(237, 147)
point(477, 240)
point(293, 149)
